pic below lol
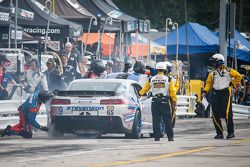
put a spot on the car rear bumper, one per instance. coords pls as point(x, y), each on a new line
point(106, 124)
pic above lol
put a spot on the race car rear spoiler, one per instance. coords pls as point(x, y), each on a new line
point(84, 93)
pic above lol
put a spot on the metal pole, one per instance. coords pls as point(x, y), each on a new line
point(109, 47)
point(87, 38)
point(100, 39)
point(136, 35)
point(120, 44)
point(53, 7)
point(236, 45)
point(9, 37)
point(177, 41)
point(142, 47)
point(48, 24)
point(16, 9)
point(222, 26)
point(229, 28)
point(126, 48)
point(148, 57)
point(187, 47)
point(168, 20)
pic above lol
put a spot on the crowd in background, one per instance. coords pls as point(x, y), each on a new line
point(58, 76)
point(73, 66)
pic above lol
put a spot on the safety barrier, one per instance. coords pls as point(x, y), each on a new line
point(241, 111)
point(185, 106)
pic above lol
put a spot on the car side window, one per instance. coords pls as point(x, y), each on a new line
point(133, 93)
point(137, 88)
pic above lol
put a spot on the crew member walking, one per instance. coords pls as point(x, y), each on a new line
point(221, 80)
point(162, 89)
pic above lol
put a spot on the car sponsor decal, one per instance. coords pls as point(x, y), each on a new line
point(85, 108)
point(132, 107)
point(128, 116)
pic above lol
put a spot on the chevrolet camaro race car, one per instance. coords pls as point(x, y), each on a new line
point(103, 106)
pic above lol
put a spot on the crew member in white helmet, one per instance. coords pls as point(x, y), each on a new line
point(221, 81)
point(162, 89)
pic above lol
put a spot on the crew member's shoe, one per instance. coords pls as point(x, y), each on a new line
point(5, 131)
point(157, 139)
point(219, 136)
point(170, 139)
point(230, 136)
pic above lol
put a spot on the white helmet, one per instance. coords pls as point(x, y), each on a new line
point(168, 64)
point(217, 57)
point(161, 66)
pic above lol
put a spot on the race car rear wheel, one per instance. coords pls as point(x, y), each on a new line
point(136, 129)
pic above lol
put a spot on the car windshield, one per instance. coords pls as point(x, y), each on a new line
point(97, 86)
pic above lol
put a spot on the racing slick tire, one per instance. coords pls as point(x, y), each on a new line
point(136, 129)
point(162, 129)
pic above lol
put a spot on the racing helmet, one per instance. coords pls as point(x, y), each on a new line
point(128, 65)
point(168, 66)
point(45, 96)
point(160, 66)
point(3, 58)
point(139, 67)
point(217, 59)
point(97, 66)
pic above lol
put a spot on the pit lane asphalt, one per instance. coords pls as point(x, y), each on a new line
point(193, 146)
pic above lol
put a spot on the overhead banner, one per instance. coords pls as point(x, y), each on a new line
point(19, 34)
point(54, 32)
point(146, 27)
point(114, 14)
point(23, 14)
point(75, 4)
point(140, 26)
point(4, 16)
point(130, 26)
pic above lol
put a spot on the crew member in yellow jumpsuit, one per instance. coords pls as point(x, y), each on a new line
point(221, 81)
point(162, 89)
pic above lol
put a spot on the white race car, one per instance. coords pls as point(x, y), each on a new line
point(101, 105)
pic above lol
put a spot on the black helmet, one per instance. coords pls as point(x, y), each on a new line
point(3, 58)
point(139, 67)
point(97, 66)
point(45, 96)
point(127, 66)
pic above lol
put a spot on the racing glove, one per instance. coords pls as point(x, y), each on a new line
point(44, 128)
